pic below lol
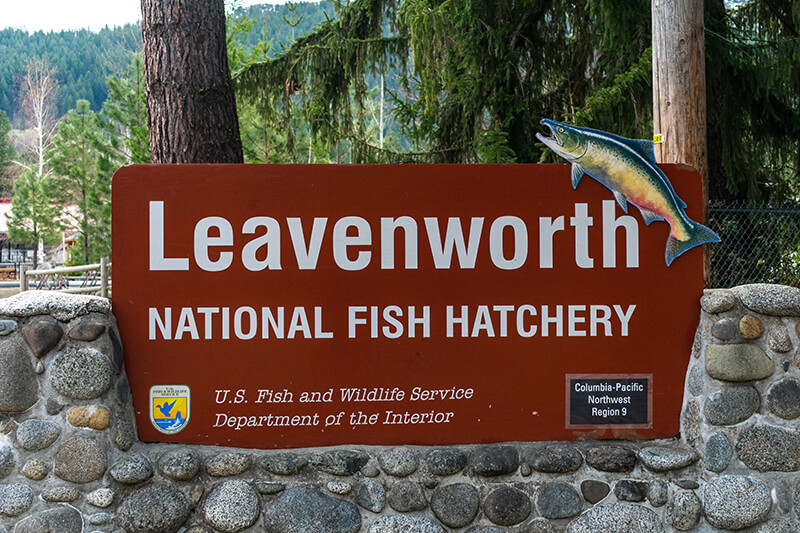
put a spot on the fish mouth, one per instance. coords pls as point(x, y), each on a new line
point(554, 139)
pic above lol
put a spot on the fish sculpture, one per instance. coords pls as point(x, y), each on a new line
point(628, 167)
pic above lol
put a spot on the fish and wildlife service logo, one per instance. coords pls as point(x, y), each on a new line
point(170, 407)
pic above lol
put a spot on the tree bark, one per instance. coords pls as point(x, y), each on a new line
point(679, 87)
point(679, 83)
point(191, 107)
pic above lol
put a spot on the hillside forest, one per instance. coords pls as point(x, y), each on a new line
point(395, 81)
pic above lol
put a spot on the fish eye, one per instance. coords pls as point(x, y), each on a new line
point(560, 130)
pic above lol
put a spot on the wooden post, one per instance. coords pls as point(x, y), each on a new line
point(104, 277)
point(679, 89)
point(23, 277)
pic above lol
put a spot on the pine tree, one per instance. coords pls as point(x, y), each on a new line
point(481, 76)
point(7, 155)
point(34, 216)
point(477, 76)
point(126, 110)
point(83, 160)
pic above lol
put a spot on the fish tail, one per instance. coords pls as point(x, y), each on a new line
point(698, 234)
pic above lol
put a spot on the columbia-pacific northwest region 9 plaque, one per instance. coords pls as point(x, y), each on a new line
point(289, 306)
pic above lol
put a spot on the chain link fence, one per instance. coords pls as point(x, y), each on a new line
point(760, 244)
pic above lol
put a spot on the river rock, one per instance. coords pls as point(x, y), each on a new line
point(593, 491)
point(718, 452)
point(779, 340)
point(232, 506)
point(446, 461)
point(685, 510)
point(657, 491)
point(735, 502)
point(339, 487)
point(540, 525)
point(617, 518)
point(724, 329)
point(89, 416)
point(751, 327)
point(124, 431)
point(455, 505)
point(507, 506)
point(371, 495)
point(154, 509)
point(407, 496)
point(7, 460)
point(630, 490)
point(59, 305)
point(696, 381)
point(102, 497)
point(731, 405)
point(663, 458)
point(495, 460)
point(19, 388)
point(42, 336)
point(15, 499)
point(611, 458)
point(87, 330)
point(180, 465)
point(283, 463)
point(769, 299)
point(341, 462)
point(98, 519)
point(229, 464)
point(399, 462)
point(81, 460)
point(558, 500)
point(738, 362)
point(405, 524)
point(783, 399)
point(61, 520)
point(34, 469)
point(35, 435)
point(60, 494)
point(769, 448)
point(81, 374)
point(269, 487)
point(717, 301)
point(7, 327)
point(132, 470)
point(303, 509)
point(556, 459)
point(777, 526)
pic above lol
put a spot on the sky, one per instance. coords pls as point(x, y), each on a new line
point(57, 15)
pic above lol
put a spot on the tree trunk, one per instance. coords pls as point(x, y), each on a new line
point(679, 82)
point(191, 107)
point(679, 87)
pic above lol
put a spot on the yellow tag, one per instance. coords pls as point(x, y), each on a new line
point(658, 138)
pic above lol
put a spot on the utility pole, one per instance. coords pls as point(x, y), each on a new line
point(679, 88)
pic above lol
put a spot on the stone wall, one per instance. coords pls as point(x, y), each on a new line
point(70, 461)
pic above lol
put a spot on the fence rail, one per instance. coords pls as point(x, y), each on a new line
point(91, 279)
point(760, 244)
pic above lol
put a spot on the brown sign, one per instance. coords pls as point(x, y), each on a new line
point(291, 306)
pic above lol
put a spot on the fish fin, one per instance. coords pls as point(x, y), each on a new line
point(649, 216)
point(698, 234)
point(577, 174)
point(643, 147)
point(621, 200)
